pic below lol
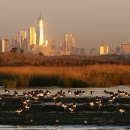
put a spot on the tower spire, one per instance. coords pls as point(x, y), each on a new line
point(40, 10)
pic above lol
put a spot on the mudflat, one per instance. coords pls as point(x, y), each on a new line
point(64, 110)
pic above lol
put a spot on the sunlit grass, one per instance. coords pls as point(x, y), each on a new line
point(86, 76)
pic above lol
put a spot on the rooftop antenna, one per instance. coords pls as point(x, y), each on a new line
point(40, 10)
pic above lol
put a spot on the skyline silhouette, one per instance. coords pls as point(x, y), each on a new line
point(92, 22)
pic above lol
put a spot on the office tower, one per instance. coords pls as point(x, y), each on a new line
point(40, 28)
point(22, 35)
point(93, 52)
point(72, 40)
point(26, 45)
point(103, 49)
point(2, 45)
point(32, 35)
point(7, 45)
point(66, 41)
point(126, 48)
point(17, 43)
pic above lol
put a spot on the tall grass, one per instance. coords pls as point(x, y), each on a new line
point(86, 76)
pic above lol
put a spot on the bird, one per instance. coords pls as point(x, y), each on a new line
point(71, 108)
point(100, 104)
point(15, 93)
point(74, 105)
point(69, 92)
point(19, 111)
point(54, 97)
point(83, 92)
point(64, 106)
point(91, 92)
point(110, 100)
point(35, 97)
point(2, 102)
point(121, 110)
point(85, 121)
point(91, 103)
point(58, 103)
point(7, 91)
point(27, 106)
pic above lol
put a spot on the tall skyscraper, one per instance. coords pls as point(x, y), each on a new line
point(66, 41)
point(72, 40)
point(40, 28)
point(32, 35)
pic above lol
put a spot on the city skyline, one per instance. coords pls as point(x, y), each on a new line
point(92, 22)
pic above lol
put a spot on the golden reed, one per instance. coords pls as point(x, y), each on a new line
point(104, 75)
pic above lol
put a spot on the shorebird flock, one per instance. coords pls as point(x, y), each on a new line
point(35, 95)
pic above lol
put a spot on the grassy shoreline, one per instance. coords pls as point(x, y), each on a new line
point(104, 75)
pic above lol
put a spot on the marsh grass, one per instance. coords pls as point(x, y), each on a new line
point(85, 76)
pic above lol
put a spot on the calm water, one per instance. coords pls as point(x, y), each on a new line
point(65, 127)
point(97, 92)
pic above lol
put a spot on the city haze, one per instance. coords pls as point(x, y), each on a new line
point(93, 22)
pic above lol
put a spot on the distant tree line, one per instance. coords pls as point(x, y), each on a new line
point(13, 58)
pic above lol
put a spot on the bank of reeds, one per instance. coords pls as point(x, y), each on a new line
point(85, 76)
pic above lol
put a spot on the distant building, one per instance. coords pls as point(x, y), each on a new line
point(118, 50)
point(82, 51)
point(66, 41)
point(72, 40)
point(4, 45)
point(40, 30)
point(125, 48)
point(103, 50)
point(22, 35)
point(26, 45)
point(111, 51)
point(93, 52)
point(32, 35)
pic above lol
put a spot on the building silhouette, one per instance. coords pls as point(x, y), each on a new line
point(93, 52)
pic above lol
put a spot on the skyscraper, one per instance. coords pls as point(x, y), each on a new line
point(72, 40)
point(2, 45)
point(66, 41)
point(40, 28)
point(103, 49)
point(22, 35)
point(32, 35)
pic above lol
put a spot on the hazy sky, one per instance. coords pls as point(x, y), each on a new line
point(93, 22)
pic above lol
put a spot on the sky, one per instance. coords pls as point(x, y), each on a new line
point(93, 22)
